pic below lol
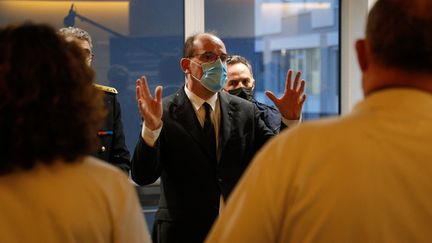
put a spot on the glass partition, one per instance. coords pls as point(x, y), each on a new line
point(277, 35)
point(130, 38)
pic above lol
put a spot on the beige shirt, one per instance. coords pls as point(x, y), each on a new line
point(89, 201)
point(366, 177)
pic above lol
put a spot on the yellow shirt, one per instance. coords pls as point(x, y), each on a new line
point(89, 201)
point(366, 177)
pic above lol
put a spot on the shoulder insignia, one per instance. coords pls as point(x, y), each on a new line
point(106, 88)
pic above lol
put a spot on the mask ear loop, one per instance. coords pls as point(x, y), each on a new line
point(199, 80)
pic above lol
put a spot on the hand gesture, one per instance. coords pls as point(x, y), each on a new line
point(150, 108)
point(291, 103)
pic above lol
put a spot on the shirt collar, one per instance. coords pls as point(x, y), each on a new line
point(197, 102)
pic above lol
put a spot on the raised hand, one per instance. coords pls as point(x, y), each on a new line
point(291, 103)
point(150, 108)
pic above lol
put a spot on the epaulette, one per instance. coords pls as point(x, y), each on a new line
point(106, 88)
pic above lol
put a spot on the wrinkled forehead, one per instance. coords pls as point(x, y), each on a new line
point(209, 43)
point(239, 70)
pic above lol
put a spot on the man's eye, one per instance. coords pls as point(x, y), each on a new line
point(208, 56)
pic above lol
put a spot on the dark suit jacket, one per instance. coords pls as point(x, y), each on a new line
point(191, 181)
point(113, 148)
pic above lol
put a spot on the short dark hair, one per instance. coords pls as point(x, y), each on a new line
point(49, 108)
point(234, 59)
point(400, 34)
point(188, 47)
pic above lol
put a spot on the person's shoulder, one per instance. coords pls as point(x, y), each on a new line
point(176, 98)
point(106, 89)
point(263, 106)
point(328, 129)
point(174, 95)
point(101, 167)
point(94, 162)
point(103, 176)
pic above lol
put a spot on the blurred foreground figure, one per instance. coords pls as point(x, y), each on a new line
point(365, 177)
point(50, 191)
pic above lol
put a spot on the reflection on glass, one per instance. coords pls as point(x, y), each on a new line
point(130, 38)
point(277, 35)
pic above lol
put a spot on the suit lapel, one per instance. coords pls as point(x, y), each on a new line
point(183, 112)
point(225, 121)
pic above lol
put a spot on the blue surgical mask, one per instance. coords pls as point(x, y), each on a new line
point(214, 75)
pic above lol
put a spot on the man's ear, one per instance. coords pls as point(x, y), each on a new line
point(253, 84)
point(362, 54)
point(184, 64)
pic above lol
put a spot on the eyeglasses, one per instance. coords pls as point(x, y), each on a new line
point(211, 57)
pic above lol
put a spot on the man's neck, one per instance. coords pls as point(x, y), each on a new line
point(385, 78)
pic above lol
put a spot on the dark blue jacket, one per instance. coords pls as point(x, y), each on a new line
point(269, 115)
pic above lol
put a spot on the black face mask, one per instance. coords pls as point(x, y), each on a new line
point(242, 92)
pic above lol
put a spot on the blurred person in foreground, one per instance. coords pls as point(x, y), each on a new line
point(240, 82)
point(50, 191)
point(113, 146)
point(365, 177)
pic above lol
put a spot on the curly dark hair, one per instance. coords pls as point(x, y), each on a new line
point(49, 108)
point(400, 35)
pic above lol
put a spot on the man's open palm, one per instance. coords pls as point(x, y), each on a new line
point(291, 103)
point(150, 108)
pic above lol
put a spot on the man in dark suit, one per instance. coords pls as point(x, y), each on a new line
point(199, 141)
point(113, 148)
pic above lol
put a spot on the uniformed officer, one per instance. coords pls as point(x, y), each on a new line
point(113, 148)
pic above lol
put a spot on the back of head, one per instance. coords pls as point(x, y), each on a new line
point(76, 33)
point(399, 34)
point(49, 108)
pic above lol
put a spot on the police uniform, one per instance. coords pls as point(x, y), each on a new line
point(113, 148)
